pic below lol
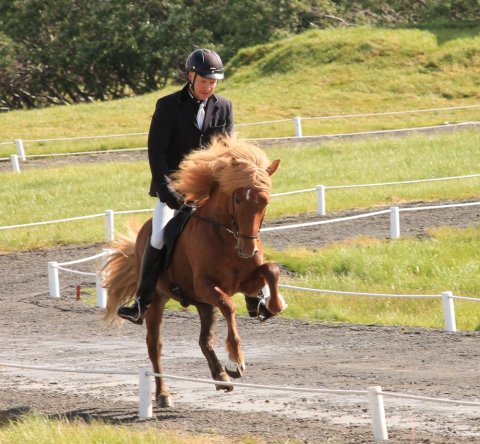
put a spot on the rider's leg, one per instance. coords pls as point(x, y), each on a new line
point(153, 262)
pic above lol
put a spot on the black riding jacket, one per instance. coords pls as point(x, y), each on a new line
point(174, 132)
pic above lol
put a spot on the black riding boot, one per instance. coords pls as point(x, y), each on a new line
point(153, 262)
point(257, 308)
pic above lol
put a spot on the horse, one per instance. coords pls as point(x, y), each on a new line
point(219, 253)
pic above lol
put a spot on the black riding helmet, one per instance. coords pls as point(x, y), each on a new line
point(205, 63)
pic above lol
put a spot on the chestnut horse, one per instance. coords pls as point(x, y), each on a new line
point(218, 253)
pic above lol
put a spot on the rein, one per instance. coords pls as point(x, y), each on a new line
point(233, 231)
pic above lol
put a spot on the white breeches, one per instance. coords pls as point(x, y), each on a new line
point(161, 215)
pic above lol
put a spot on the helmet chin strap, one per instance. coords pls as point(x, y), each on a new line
point(192, 86)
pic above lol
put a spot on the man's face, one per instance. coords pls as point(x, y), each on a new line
point(203, 88)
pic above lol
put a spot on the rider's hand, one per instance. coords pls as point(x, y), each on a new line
point(174, 199)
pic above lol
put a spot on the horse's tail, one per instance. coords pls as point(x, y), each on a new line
point(119, 273)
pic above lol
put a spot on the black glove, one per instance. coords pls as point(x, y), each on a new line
point(172, 198)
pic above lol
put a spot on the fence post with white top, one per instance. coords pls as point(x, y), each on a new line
point(145, 408)
point(110, 225)
point(15, 163)
point(321, 207)
point(394, 222)
point(20, 149)
point(53, 282)
point(377, 412)
point(448, 311)
point(298, 126)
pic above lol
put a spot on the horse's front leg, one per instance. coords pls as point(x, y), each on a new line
point(268, 273)
point(206, 342)
point(153, 321)
point(235, 364)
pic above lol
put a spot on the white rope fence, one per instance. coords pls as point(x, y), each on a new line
point(298, 131)
point(374, 394)
point(447, 298)
point(54, 281)
point(394, 212)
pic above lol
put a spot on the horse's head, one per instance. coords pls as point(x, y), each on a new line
point(248, 211)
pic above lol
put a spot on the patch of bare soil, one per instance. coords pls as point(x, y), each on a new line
point(37, 330)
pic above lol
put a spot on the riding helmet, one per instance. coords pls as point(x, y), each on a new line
point(205, 63)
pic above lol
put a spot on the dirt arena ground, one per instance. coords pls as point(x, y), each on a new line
point(36, 330)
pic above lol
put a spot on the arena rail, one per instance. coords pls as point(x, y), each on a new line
point(374, 394)
point(297, 122)
point(54, 281)
point(394, 218)
point(447, 297)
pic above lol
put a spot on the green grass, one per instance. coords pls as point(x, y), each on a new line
point(39, 429)
point(38, 195)
point(447, 261)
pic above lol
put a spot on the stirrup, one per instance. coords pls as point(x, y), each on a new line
point(261, 312)
point(134, 313)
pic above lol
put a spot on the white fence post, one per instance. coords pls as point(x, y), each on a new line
point(377, 412)
point(145, 409)
point(20, 149)
point(321, 200)
point(298, 126)
point(448, 311)
point(394, 222)
point(53, 281)
point(110, 225)
point(101, 291)
point(15, 163)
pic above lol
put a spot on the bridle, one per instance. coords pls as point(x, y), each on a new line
point(234, 230)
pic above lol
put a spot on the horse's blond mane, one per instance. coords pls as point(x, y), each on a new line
point(226, 162)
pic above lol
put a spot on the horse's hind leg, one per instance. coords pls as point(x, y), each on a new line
point(206, 342)
point(154, 343)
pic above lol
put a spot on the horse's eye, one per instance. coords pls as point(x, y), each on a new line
point(237, 200)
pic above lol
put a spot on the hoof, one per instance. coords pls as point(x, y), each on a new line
point(164, 402)
point(223, 377)
point(233, 369)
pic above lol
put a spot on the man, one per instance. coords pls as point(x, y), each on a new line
point(183, 121)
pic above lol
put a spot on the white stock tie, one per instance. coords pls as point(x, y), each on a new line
point(201, 115)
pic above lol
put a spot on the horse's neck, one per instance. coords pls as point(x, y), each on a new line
point(217, 207)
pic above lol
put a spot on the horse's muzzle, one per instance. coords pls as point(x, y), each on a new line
point(244, 254)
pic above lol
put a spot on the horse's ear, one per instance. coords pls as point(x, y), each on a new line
point(273, 167)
